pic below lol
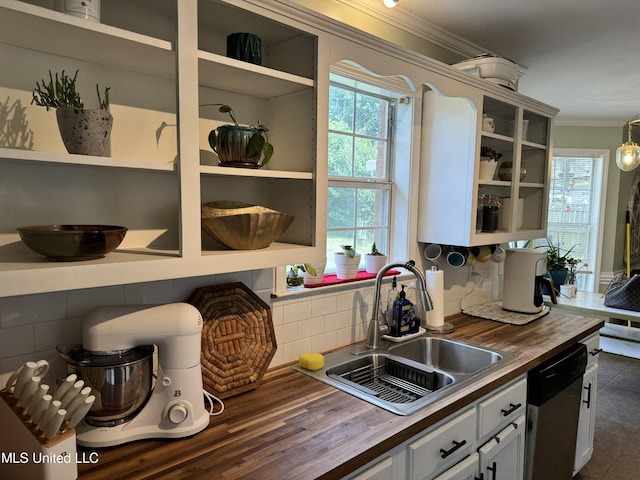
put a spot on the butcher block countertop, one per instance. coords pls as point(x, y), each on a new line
point(295, 427)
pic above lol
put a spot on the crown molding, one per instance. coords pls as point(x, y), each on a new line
point(419, 27)
point(590, 122)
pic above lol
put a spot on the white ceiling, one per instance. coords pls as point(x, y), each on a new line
point(582, 56)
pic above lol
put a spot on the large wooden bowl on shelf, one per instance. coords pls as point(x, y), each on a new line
point(70, 243)
point(243, 226)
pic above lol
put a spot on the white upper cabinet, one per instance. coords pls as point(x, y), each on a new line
point(162, 59)
point(460, 204)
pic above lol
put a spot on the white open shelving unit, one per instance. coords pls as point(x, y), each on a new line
point(160, 68)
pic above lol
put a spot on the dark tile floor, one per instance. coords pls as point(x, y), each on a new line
point(616, 451)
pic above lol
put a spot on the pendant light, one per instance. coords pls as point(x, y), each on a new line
point(390, 3)
point(628, 155)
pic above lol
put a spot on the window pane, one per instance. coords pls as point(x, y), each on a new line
point(575, 194)
point(340, 154)
point(341, 207)
point(371, 116)
point(373, 207)
point(367, 237)
point(341, 109)
point(370, 158)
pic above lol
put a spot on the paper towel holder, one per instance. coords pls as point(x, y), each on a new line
point(438, 302)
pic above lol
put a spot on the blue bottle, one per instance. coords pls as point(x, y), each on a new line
point(403, 314)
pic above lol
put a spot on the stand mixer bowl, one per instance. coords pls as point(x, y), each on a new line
point(121, 381)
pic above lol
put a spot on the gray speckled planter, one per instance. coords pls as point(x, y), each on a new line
point(84, 131)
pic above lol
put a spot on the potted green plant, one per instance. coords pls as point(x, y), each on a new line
point(293, 277)
point(315, 274)
point(347, 262)
point(557, 262)
point(374, 261)
point(240, 146)
point(84, 131)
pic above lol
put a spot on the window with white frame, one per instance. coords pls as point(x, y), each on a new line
point(361, 126)
point(576, 209)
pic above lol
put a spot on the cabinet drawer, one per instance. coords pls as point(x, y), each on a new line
point(593, 348)
point(467, 469)
point(443, 446)
point(502, 407)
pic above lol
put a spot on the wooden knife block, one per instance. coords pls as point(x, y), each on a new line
point(23, 456)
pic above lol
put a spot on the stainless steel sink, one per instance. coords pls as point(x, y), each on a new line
point(388, 381)
point(448, 355)
point(403, 378)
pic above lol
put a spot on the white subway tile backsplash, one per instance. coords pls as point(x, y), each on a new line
point(324, 342)
point(311, 327)
point(295, 312)
point(337, 320)
point(323, 305)
point(49, 335)
point(291, 351)
point(81, 302)
point(286, 333)
point(308, 321)
point(25, 309)
point(16, 341)
point(149, 293)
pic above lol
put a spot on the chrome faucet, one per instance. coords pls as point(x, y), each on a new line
point(373, 332)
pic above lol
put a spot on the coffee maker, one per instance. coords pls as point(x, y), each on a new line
point(524, 270)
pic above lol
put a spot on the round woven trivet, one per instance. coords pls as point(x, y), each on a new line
point(238, 340)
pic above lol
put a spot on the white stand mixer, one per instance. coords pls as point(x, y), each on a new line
point(175, 407)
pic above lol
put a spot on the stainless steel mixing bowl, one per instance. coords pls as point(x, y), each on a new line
point(121, 382)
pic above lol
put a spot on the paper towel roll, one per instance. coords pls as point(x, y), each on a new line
point(435, 287)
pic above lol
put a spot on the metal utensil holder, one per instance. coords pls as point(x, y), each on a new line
point(26, 455)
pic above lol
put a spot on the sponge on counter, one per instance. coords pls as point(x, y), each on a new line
point(311, 361)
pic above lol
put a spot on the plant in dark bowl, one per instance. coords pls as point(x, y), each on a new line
point(239, 146)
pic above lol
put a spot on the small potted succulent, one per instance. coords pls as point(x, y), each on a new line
point(240, 146)
point(84, 131)
point(347, 262)
point(374, 261)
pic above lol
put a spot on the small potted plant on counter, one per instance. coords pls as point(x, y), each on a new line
point(347, 262)
point(557, 263)
point(374, 261)
point(84, 131)
point(239, 146)
point(293, 278)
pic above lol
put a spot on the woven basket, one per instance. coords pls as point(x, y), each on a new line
point(238, 340)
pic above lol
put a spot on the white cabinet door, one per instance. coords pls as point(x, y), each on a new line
point(443, 446)
point(499, 408)
point(467, 469)
point(452, 158)
point(587, 419)
point(502, 457)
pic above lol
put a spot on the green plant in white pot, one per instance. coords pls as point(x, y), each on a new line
point(240, 146)
point(374, 261)
point(347, 263)
point(84, 131)
point(315, 273)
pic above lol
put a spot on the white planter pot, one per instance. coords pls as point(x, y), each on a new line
point(374, 263)
point(317, 278)
point(346, 267)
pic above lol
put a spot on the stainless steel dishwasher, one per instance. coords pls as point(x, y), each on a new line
point(554, 391)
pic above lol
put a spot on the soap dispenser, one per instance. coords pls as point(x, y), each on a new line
point(392, 296)
point(402, 314)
